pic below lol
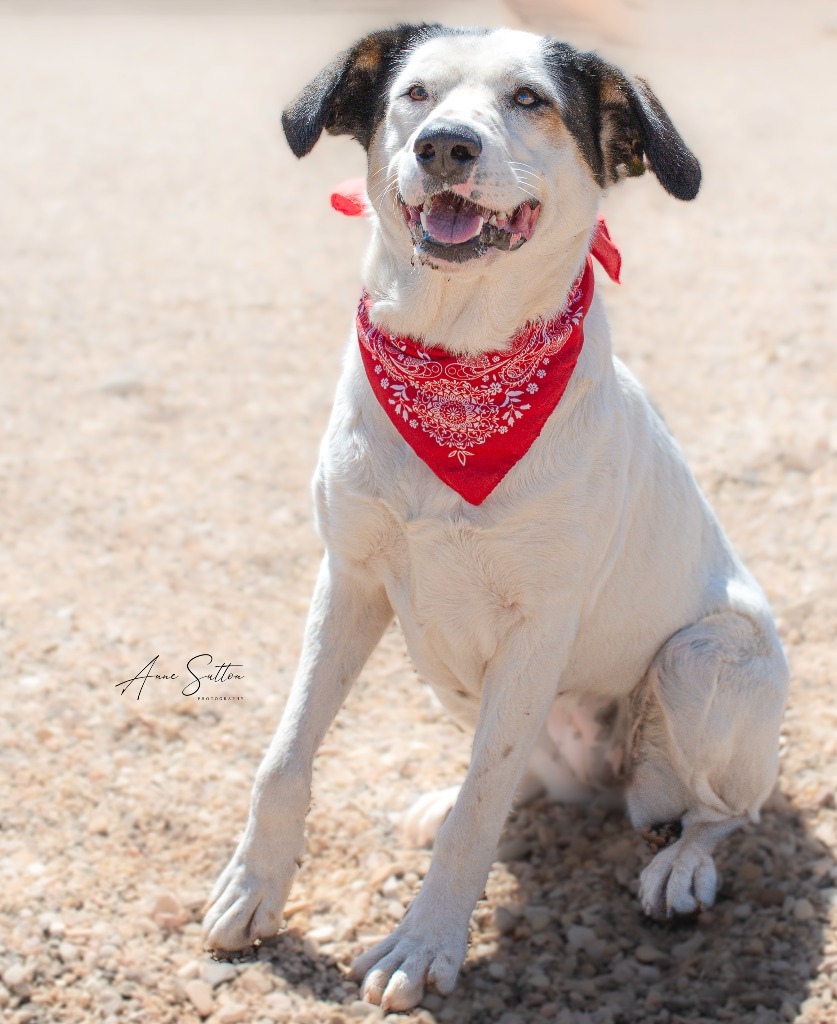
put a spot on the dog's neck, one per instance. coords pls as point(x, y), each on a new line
point(467, 314)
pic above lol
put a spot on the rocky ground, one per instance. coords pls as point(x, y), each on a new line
point(174, 297)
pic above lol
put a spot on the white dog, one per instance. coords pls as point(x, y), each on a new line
point(509, 493)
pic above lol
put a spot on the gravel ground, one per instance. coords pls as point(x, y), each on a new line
point(174, 295)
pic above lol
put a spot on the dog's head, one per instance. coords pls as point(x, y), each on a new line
point(479, 142)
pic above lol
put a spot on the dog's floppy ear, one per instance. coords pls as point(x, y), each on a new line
point(348, 96)
point(619, 124)
point(637, 130)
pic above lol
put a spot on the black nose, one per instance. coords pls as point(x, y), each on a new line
point(447, 150)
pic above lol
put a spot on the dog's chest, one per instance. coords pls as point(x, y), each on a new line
point(458, 589)
point(458, 586)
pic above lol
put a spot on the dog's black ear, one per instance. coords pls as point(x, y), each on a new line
point(348, 97)
point(620, 125)
point(637, 130)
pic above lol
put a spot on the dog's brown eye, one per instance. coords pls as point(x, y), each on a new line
point(526, 98)
point(418, 92)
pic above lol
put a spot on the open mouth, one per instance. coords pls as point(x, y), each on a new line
point(450, 227)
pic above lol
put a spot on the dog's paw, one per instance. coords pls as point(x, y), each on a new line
point(681, 879)
point(245, 905)
point(427, 815)
point(397, 970)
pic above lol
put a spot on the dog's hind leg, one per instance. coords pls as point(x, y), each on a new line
point(348, 616)
point(707, 754)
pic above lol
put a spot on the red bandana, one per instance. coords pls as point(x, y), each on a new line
point(471, 418)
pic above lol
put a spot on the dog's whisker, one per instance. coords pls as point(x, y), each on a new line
point(387, 194)
point(387, 185)
point(381, 170)
point(390, 188)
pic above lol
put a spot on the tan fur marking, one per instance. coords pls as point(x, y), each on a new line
point(368, 55)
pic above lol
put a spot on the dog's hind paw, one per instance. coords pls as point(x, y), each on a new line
point(427, 815)
point(681, 879)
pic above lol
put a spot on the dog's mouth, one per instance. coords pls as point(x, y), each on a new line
point(450, 227)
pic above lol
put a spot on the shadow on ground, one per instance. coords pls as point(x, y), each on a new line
point(595, 957)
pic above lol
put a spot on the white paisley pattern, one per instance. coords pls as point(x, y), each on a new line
point(462, 402)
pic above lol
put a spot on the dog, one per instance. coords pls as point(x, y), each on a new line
point(559, 578)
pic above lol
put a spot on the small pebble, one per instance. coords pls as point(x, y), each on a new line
point(751, 872)
point(538, 918)
point(537, 979)
point(689, 946)
point(506, 918)
point(191, 969)
point(803, 910)
point(255, 980)
point(391, 888)
point(579, 936)
point(279, 1003)
point(770, 897)
point(648, 954)
point(14, 977)
point(200, 996)
point(216, 972)
point(68, 952)
point(232, 1013)
point(362, 1010)
point(167, 912)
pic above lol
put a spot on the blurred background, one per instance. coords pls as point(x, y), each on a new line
point(175, 295)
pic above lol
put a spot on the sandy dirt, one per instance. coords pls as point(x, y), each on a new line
point(175, 294)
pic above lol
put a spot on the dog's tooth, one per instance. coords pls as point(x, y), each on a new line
point(479, 229)
point(492, 220)
point(423, 218)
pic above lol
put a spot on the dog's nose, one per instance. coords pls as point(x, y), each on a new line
point(447, 150)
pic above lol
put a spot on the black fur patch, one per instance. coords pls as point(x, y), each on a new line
point(348, 97)
point(619, 125)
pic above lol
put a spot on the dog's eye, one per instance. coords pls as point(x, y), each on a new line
point(418, 92)
point(526, 98)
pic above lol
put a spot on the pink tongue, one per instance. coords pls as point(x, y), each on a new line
point(452, 219)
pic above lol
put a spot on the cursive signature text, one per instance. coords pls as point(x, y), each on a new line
point(221, 673)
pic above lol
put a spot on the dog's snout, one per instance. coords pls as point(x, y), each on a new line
point(447, 150)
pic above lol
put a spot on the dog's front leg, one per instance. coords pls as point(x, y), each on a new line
point(347, 619)
point(429, 945)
